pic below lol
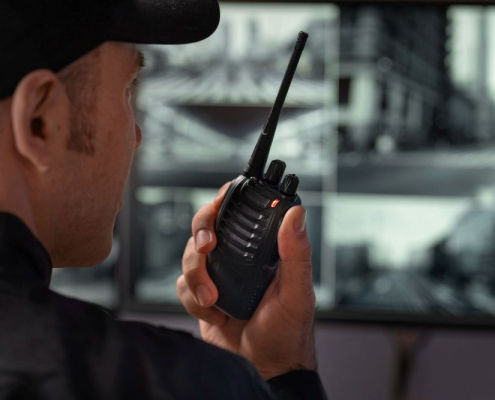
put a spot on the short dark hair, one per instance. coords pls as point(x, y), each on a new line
point(81, 79)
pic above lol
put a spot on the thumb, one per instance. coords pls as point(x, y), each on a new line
point(296, 278)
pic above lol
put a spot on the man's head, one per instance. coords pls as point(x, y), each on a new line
point(67, 131)
point(67, 142)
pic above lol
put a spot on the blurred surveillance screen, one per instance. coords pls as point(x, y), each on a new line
point(202, 107)
point(389, 124)
point(412, 226)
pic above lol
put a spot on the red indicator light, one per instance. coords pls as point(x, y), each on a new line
point(275, 202)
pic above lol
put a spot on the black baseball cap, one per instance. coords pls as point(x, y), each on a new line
point(50, 34)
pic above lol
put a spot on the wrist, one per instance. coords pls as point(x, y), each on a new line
point(302, 359)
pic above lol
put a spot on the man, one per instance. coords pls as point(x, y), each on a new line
point(67, 138)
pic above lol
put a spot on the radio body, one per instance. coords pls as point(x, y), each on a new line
point(246, 258)
point(243, 263)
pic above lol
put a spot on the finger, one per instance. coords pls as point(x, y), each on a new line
point(203, 223)
point(203, 228)
point(296, 278)
point(210, 315)
point(196, 276)
point(221, 194)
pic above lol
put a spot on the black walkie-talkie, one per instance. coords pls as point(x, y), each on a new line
point(245, 260)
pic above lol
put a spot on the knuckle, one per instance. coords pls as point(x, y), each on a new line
point(181, 291)
point(191, 307)
point(198, 312)
point(215, 320)
point(202, 218)
point(181, 286)
point(190, 242)
point(188, 255)
point(187, 300)
point(187, 260)
point(192, 274)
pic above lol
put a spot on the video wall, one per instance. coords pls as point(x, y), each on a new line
point(389, 124)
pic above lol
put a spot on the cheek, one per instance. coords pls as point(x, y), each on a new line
point(121, 137)
point(128, 143)
point(133, 135)
point(122, 126)
point(115, 158)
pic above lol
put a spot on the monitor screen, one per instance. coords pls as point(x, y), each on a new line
point(412, 222)
point(389, 124)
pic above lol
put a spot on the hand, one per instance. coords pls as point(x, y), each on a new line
point(279, 337)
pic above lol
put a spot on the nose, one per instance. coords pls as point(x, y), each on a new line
point(139, 137)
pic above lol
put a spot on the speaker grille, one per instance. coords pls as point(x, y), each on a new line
point(241, 228)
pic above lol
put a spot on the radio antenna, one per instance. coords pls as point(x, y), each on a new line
point(256, 165)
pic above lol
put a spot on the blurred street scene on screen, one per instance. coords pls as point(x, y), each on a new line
point(413, 224)
point(389, 123)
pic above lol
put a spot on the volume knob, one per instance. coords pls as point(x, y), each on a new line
point(275, 172)
point(289, 185)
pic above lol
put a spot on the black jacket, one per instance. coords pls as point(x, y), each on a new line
point(54, 347)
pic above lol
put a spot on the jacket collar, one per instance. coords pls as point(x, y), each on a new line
point(23, 258)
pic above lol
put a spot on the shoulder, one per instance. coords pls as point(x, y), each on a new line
point(206, 371)
point(171, 360)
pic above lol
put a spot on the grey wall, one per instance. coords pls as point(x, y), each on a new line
point(356, 362)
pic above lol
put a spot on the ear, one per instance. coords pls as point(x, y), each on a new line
point(40, 118)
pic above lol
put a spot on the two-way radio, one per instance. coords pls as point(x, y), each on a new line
point(245, 260)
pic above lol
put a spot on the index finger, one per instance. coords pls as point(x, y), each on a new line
point(221, 194)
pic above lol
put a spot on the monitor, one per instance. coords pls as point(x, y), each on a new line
point(389, 124)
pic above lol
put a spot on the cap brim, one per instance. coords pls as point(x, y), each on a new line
point(164, 22)
point(69, 31)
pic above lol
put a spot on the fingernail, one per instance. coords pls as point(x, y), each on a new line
point(203, 295)
point(202, 237)
point(300, 223)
